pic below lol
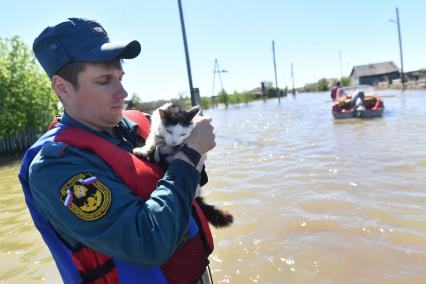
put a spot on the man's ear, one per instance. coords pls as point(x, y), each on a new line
point(61, 87)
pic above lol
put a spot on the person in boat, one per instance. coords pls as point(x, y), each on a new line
point(106, 216)
point(334, 91)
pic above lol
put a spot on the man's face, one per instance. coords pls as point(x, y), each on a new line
point(98, 102)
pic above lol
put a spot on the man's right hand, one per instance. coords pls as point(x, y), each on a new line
point(202, 138)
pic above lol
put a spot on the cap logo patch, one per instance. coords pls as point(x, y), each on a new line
point(99, 30)
point(86, 196)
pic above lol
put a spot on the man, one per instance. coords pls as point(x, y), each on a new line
point(106, 216)
point(334, 91)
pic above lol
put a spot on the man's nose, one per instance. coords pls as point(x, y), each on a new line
point(121, 92)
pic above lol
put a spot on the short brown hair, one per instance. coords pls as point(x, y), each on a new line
point(70, 71)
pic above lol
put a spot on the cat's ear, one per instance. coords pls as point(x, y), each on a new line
point(162, 113)
point(162, 110)
point(192, 112)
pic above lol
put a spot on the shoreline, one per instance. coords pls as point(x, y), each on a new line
point(13, 158)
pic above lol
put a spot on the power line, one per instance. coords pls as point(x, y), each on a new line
point(129, 9)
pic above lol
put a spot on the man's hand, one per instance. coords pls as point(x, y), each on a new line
point(202, 138)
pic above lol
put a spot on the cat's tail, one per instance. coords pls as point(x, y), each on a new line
point(215, 216)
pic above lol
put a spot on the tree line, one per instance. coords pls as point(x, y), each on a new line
point(323, 85)
point(28, 102)
point(26, 98)
point(207, 102)
point(225, 98)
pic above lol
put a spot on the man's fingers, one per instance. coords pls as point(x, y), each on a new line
point(200, 118)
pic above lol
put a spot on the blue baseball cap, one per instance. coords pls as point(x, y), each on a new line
point(79, 39)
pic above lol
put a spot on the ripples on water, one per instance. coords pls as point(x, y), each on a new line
point(318, 200)
point(24, 257)
point(315, 200)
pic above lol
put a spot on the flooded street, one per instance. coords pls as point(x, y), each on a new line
point(315, 200)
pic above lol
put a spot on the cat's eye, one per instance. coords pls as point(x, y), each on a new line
point(169, 131)
point(183, 134)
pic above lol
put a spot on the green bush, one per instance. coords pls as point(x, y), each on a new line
point(26, 98)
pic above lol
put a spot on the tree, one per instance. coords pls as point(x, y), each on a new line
point(223, 98)
point(26, 99)
point(322, 85)
point(345, 81)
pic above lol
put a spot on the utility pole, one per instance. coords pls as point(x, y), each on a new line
point(218, 71)
point(275, 71)
point(194, 94)
point(400, 48)
point(340, 60)
point(292, 79)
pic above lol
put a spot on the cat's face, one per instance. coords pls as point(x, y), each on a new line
point(176, 123)
point(174, 135)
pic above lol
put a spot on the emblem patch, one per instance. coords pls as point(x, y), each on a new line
point(86, 196)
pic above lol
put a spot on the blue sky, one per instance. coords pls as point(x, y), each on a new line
point(239, 33)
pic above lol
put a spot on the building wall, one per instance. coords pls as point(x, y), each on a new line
point(375, 79)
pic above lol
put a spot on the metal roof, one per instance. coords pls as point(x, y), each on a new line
point(374, 69)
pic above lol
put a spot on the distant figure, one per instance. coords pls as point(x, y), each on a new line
point(334, 91)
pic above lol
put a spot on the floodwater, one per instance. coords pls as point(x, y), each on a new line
point(315, 200)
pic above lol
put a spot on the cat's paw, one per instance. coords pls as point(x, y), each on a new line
point(142, 152)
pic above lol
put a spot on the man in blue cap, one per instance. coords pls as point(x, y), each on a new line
point(106, 216)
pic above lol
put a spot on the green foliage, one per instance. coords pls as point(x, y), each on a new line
point(322, 85)
point(325, 84)
point(223, 98)
point(135, 102)
point(311, 87)
point(26, 98)
point(345, 81)
point(206, 102)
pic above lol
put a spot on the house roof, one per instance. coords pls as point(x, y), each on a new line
point(374, 69)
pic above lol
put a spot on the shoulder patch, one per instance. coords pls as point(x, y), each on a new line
point(86, 196)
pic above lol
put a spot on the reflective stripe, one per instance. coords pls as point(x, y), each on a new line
point(205, 278)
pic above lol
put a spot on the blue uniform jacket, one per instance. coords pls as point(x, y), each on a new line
point(131, 229)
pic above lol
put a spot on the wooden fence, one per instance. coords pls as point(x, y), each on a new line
point(19, 141)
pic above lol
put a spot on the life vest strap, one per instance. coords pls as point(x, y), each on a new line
point(205, 229)
point(97, 273)
point(94, 267)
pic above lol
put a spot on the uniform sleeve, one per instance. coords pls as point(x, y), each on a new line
point(84, 200)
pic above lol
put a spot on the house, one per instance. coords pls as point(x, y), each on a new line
point(372, 74)
point(415, 75)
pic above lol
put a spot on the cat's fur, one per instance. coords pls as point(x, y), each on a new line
point(171, 125)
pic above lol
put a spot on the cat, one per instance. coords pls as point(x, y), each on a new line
point(171, 125)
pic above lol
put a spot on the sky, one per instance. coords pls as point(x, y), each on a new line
point(322, 39)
